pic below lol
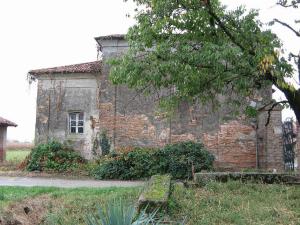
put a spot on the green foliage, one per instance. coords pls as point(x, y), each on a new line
point(118, 213)
point(104, 143)
point(176, 159)
point(200, 50)
point(53, 156)
point(251, 111)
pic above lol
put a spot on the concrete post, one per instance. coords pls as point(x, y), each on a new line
point(270, 142)
point(2, 143)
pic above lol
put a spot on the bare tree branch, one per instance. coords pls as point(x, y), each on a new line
point(284, 3)
point(288, 26)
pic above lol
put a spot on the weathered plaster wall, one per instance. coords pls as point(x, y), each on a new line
point(58, 95)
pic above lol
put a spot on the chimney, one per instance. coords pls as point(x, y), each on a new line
point(112, 45)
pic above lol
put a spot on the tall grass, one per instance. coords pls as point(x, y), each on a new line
point(237, 203)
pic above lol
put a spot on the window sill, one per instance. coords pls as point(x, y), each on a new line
point(76, 135)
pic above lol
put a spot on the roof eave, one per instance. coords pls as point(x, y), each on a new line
point(109, 37)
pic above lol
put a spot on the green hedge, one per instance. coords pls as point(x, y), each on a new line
point(176, 159)
point(53, 156)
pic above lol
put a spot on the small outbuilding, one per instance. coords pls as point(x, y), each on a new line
point(4, 123)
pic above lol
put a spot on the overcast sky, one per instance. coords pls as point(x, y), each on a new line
point(38, 34)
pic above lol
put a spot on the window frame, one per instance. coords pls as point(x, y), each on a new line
point(77, 120)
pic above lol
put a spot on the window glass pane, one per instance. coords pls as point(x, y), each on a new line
point(80, 117)
point(76, 122)
point(80, 130)
point(73, 130)
point(72, 116)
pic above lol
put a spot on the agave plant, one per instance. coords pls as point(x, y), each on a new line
point(118, 213)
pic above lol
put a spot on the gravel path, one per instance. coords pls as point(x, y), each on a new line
point(64, 183)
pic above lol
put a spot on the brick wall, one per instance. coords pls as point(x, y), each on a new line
point(132, 119)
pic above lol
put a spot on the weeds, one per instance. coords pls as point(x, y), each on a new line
point(237, 203)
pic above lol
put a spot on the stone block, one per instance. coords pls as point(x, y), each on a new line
point(269, 178)
point(156, 193)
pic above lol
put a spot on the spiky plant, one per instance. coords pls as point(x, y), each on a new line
point(118, 213)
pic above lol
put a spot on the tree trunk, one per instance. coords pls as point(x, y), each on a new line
point(293, 97)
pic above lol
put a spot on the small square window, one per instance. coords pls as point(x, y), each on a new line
point(76, 122)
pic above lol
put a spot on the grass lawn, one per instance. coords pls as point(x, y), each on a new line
point(216, 203)
point(67, 206)
point(16, 156)
point(237, 203)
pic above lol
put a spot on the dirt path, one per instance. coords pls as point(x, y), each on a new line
point(64, 183)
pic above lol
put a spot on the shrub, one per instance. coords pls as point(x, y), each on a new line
point(53, 156)
point(132, 165)
point(176, 159)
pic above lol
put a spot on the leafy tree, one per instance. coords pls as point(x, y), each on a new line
point(199, 49)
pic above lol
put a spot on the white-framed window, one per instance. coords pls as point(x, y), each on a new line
point(76, 123)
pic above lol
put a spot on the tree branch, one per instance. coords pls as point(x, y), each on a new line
point(288, 26)
point(272, 108)
point(283, 3)
point(225, 29)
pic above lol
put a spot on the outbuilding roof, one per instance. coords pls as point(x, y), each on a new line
point(89, 67)
point(6, 123)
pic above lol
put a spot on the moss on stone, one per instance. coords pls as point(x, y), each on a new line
point(156, 192)
point(158, 188)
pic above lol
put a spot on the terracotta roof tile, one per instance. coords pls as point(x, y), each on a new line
point(7, 123)
point(90, 67)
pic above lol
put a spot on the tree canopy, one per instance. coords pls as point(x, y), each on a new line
point(199, 49)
